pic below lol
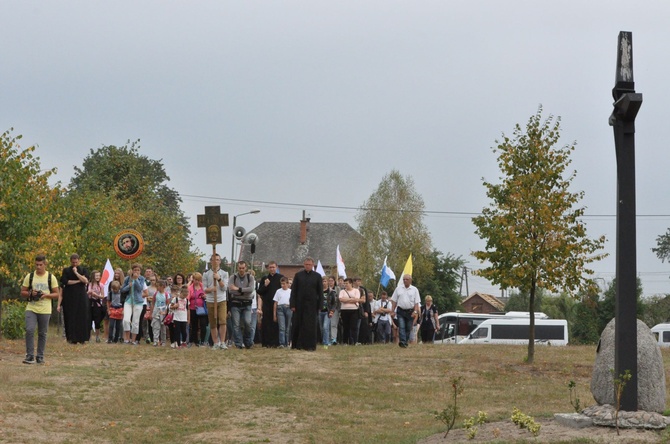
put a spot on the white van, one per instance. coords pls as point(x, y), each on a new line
point(662, 334)
point(516, 331)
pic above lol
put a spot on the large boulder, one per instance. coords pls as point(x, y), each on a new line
point(650, 371)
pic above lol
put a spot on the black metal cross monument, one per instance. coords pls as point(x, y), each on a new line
point(626, 105)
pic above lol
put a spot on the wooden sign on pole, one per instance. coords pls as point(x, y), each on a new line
point(212, 221)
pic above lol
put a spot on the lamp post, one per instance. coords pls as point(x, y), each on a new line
point(232, 247)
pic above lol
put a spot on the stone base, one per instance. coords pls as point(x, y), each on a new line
point(574, 420)
point(604, 415)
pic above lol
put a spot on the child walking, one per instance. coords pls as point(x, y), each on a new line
point(282, 312)
point(96, 296)
point(158, 313)
point(179, 306)
point(115, 310)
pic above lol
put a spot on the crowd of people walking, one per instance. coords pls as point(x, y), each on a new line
point(220, 311)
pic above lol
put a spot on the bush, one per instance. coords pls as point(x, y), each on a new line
point(13, 319)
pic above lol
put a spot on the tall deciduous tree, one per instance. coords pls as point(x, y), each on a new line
point(118, 188)
point(391, 222)
point(533, 230)
point(25, 195)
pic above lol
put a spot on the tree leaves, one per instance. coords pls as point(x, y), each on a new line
point(534, 235)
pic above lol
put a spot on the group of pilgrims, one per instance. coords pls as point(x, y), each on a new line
point(217, 310)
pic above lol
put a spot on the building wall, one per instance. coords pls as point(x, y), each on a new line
point(478, 305)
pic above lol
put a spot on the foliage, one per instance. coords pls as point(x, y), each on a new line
point(619, 385)
point(662, 249)
point(450, 413)
point(534, 234)
point(574, 399)
point(519, 301)
point(471, 423)
point(525, 422)
point(584, 328)
point(656, 310)
point(13, 319)
point(607, 307)
point(391, 222)
point(444, 285)
point(118, 188)
point(24, 199)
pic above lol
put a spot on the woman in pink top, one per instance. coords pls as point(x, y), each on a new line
point(350, 297)
point(196, 303)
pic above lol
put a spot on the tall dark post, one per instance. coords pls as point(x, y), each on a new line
point(626, 105)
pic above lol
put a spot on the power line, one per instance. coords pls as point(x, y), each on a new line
point(335, 207)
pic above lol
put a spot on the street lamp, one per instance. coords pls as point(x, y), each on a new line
point(232, 249)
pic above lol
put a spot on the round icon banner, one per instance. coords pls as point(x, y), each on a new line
point(128, 244)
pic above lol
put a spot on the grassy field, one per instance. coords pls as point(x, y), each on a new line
point(369, 394)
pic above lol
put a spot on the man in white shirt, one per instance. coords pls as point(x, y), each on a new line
point(407, 301)
point(215, 282)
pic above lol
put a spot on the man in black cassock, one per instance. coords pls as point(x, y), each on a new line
point(306, 293)
point(268, 287)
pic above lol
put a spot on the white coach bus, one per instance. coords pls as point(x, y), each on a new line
point(516, 331)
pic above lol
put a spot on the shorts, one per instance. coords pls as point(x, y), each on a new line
point(222, 308)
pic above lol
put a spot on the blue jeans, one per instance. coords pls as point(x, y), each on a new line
point(284, 315)
point(405, 323)
point(324, 322)
point(244, 313)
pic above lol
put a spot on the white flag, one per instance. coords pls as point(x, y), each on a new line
point(319, 268)
point(341, 269)
point(107, 276)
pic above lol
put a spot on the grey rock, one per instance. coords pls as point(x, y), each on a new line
point(650, 371)
point(574, 420)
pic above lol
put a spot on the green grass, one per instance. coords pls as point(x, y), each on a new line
point(116, 393)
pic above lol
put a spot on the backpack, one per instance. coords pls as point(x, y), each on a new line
point(32, 275)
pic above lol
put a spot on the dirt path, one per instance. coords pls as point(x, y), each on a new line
point(551, 432)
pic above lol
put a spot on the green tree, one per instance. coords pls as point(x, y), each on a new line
point(584, 328)
point(534, 234)
point(662, 249)
point(118, 188)
point(607, 307)
point(656, 310)
point(444, 285)
point(391, 222)
point(520, 300)
point(25, 196)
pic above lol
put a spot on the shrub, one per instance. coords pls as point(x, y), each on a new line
point(13, 319)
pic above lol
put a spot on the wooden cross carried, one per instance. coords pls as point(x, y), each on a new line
point(212, 221)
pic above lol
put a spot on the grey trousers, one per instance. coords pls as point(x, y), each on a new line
point(41, 322)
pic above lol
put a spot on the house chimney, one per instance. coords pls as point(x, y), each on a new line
point(303, 229)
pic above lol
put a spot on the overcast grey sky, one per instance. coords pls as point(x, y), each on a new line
point(311, 103)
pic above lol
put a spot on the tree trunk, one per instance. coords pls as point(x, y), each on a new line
point(531, 324)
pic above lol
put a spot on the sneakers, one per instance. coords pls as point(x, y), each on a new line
point(40, 361)
point(224, 346)
point(216, 347)
point(155, 344)
point(29, 360)
point(173, 345)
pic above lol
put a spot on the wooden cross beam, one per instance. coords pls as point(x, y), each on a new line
point(213, 220)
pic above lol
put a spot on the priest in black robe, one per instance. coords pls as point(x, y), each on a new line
point(75, 303)
point(306, 293)
point(269, 285)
